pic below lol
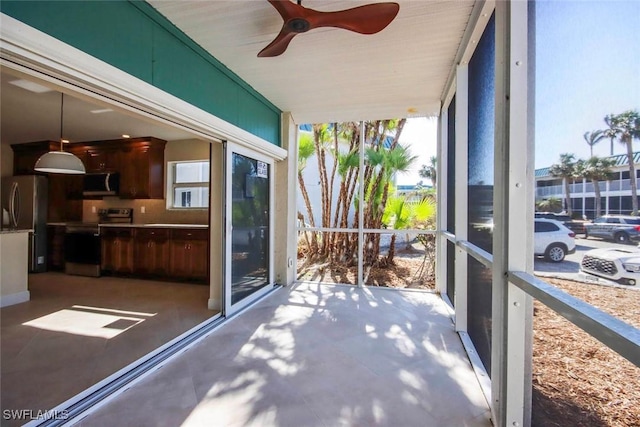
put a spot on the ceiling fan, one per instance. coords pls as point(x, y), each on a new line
point(367, 19)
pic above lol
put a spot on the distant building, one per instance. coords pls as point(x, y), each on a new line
point(616, 193)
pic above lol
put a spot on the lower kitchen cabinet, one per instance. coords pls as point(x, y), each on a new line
point(55, 247)
point(156, 253)
point(189, 251)
point(117, 250)
point(151, 252)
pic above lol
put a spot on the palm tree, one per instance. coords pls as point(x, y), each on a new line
point(626, 126)
point(566, 170)
point(610, 132)
point(406, 215)
point(592, 138)
point(596, 169)
point(429, 171)
point(552, 204)
point(385, 163)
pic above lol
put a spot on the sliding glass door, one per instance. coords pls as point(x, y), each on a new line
point(248, 240)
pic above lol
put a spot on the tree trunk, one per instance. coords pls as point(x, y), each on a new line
point(598, 201)
point(632, 177)
point(612, 146)
point(392, 249)
point(307, 203)
point(567, 196)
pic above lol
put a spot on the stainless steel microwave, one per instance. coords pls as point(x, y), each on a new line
point(101, 184)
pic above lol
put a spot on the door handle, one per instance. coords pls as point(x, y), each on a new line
point(14, 204)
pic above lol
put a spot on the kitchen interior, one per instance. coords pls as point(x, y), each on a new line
point(98, 269)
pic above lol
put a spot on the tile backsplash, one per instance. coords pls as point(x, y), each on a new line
point(156, 211)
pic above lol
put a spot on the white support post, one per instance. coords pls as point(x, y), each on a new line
point(461, 196)
point(441, 204)
point(361, 210)
point(216, 228)
point(512, 310)
point(285, 251)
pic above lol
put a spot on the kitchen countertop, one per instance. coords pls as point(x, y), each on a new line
point(202, 226)
point(11, 231)
point(156, 225)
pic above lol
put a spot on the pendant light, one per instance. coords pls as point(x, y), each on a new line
point(60, 161)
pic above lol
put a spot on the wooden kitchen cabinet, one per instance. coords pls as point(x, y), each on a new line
point(142, 169)
point(24, 163)
point(26, 155)
point(65, 191)
point(156, 252)
point(74, 183)
point(117, 250)
point(100, 160)
point(140, 162)
point(151, 252)
point(65, 202)
point(55, 247)
point(189, 251)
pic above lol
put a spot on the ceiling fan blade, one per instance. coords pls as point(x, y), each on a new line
point(368, 19)
point(278, 45)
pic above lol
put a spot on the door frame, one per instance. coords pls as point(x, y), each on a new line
point(229, 149)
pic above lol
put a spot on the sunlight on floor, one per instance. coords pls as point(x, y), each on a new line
point(90, 321)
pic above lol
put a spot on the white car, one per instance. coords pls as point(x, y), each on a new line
point(619, 265)
point(553, 240)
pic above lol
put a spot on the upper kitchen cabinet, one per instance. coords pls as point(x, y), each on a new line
point(64, 190)
point(140, 162)
point(142, 169)
point(98, 160)
point(26, 155)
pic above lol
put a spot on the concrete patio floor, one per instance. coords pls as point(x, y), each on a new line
point(315, 355)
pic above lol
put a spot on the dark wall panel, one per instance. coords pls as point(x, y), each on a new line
point(480, 189)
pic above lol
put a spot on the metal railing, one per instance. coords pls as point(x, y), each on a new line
point(619, 336)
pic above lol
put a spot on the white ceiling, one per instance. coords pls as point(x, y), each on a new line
point(325, 75)
point(27, 116)
point(331, 74)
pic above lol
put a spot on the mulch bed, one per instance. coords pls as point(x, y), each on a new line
point(403, 274)
point(577, 381)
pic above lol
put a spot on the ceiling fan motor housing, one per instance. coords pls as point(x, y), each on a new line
point(298, 25)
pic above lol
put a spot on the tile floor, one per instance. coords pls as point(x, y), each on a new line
point(312, 355)
point(76, 331)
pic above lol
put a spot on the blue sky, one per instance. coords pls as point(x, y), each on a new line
point(587, 66)
point(420, 136)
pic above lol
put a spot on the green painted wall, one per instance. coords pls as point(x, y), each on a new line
point(135, 38)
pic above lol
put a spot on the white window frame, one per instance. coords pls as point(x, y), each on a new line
point(172, 185)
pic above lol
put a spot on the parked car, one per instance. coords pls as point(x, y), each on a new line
point(553, 240)
point(619, 228)
point(619, 265)
point(574, 225)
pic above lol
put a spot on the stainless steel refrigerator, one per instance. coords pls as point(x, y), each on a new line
point(24, 207)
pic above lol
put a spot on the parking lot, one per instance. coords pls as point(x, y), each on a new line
point(570, 267)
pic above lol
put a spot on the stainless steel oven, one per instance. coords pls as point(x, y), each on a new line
point(82, 243)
